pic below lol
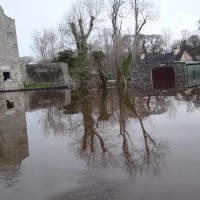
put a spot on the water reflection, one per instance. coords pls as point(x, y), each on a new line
point(13, 137)
point(105, 129)
point(52, 118)
point(13, 129)
point(100, 124)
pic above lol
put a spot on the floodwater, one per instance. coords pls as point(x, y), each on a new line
point(100, 145)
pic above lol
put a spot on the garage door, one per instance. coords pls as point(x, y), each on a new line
point(163, 78)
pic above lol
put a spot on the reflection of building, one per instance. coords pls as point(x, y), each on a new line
point(10, 72)
point(47, 99)
point(151, 105)
point(13, 131)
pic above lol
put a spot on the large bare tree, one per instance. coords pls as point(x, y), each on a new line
point(81, 22)
point(116, 15)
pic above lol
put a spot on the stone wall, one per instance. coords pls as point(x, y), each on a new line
point(53, 73)
point(141, 75)
point(9, 56)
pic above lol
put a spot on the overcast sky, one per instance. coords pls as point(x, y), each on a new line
point(176, 15)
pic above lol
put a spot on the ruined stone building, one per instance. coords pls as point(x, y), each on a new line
point(10, 72)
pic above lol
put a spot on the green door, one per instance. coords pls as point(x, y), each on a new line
point(193, 74)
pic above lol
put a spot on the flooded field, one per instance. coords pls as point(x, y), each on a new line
point(100, 145)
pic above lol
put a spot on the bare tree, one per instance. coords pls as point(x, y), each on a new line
point(45, 44)
point(108, 49)
point(155, 43)
point(185, 35)
point(167, 37)
point(25, 60)
point(81, 22)
point(116, 15)
point(143, 11)
point(127, 41)
point(65, 41)
point(182, 43)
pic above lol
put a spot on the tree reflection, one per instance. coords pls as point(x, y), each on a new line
point(103, 111)
point(10, 175)
point(154, 151)
point(54, 120)
point(92, 145)
point(100, 122)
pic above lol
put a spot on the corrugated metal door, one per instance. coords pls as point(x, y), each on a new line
point(163, 78)
point(193, 74)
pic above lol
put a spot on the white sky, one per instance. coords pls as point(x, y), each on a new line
point(175, 15)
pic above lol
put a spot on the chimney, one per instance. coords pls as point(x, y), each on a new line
point(176, 51)
point(142, 56)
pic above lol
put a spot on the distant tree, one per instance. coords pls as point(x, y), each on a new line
point(45, 45)
point(155, 44)
point(193, 46)
point(67, 56)
point(143, 11)
point(127, 42)
point(167, 36)
point(176, 44)
point(181, 43)
point(143, 44)
point(116, 15)
point(25, 60)
point(98, 57)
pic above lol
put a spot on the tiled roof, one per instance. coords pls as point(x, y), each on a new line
point(168, 57)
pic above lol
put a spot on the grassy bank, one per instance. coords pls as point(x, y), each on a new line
point(39, 86)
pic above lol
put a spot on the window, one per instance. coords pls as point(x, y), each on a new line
point(6, 75)
point(10, 104)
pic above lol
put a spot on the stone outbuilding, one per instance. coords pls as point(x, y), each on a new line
point(171, 76)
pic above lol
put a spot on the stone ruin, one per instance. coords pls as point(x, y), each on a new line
point(10, 70)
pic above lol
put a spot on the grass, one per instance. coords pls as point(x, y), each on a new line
point(39, 86)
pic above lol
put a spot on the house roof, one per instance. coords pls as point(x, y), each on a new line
point(168, 57)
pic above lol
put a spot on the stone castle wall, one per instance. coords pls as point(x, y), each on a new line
point(9, 56)
point(53, 73)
